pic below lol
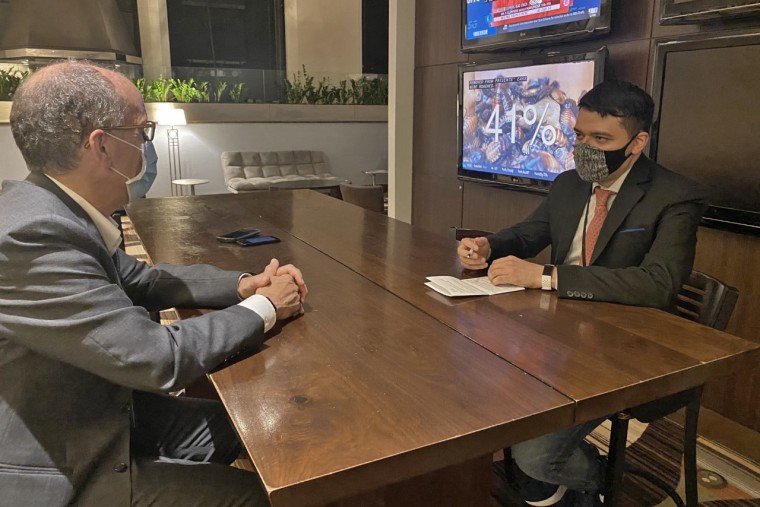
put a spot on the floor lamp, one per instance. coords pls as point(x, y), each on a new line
point(173, 118)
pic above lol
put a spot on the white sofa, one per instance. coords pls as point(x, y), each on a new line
point(246, 171)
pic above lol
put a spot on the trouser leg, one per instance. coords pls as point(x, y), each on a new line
point(181, 448)
point(157, 483)
point(561, 459)
point(178, 427)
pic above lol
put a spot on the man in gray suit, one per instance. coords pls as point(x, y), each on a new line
point(622, 229)
point(83, 368)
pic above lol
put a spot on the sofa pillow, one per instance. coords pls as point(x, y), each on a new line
point(304, 169)
point(253, 172)
point(271, 170)
point(301, 157)
point(252, 158)
point(268, 158)
point(233, 171)
point(285, 158)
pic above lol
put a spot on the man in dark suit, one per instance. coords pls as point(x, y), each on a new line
point(622, 229)
point(84, 419)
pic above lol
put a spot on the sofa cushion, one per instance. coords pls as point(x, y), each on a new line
point(254, 170)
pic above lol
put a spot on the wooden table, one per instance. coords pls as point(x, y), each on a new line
point(383, 380)
point(604, 356)
point(363, 391)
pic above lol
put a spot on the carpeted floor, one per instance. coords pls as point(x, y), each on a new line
point(726, 479)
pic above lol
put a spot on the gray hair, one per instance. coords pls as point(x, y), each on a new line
point(55, 110)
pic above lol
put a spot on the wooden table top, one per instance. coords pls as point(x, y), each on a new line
point(362, 391)
point(606, 357)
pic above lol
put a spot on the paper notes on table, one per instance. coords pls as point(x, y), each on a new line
point(454, 287)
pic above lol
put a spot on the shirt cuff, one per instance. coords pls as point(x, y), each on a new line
point(263, 308)
point(242, 275)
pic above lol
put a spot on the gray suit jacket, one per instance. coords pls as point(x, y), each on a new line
point(76, 340)
point(645, 249)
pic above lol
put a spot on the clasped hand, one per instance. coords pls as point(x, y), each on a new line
point(283, 285)
point(474, 252)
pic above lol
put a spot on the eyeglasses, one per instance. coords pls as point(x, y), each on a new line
point(148, 129)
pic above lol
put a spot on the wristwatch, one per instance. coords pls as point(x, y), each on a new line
point(546, 277)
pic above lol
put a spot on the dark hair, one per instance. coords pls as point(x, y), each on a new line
point(624, 100)
point(55, 110)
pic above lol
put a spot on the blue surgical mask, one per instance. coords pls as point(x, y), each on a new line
point(137, 186)
point(141, 187)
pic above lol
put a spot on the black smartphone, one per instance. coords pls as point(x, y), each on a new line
point(258, 240)
point(233, 236)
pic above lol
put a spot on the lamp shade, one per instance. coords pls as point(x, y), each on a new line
point(171, 117)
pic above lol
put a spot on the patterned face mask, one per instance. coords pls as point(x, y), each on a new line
point(594, 164)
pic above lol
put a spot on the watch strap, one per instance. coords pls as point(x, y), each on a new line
point(546, 277)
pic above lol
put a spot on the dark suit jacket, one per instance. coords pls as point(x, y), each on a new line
point(76, 340)
point(645, 249)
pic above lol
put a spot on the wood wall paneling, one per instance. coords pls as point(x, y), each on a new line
point(435, 120)
point(635, 29)
point(437, 203)
point(629, 61)
point(436, 21)
point(631, 21)
point(491, 208)
point(725, 255)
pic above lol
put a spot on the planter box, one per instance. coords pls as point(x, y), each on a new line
point(281, 113)
point(258, 113)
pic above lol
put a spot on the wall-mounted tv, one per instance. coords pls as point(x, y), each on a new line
point(705, 91)
point(497, 24)
point(694, 11)
point(516, 117)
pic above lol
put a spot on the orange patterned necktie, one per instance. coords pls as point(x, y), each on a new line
point(595, 227)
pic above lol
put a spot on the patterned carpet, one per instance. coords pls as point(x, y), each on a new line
point(726, 480)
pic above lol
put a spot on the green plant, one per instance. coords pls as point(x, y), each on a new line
point(302, 89)
point(184, 90)
point(203, 93)
point(140, 84)
point(375, 92)
point(355, 91)
point(219, 91)
point(237, 93)
point(342, 92)
point(9, 81)
point(158, 90)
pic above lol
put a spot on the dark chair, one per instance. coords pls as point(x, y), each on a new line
point(710, 302)
point(369, 197)
point(460, 233)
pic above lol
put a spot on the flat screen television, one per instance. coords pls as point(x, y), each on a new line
point(706, 95)
point(693, 11)
point(497, 24)
point(516, 117)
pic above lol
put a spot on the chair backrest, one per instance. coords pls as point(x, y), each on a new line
point(707, 300)
point(366, 196)
point(460, 233)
